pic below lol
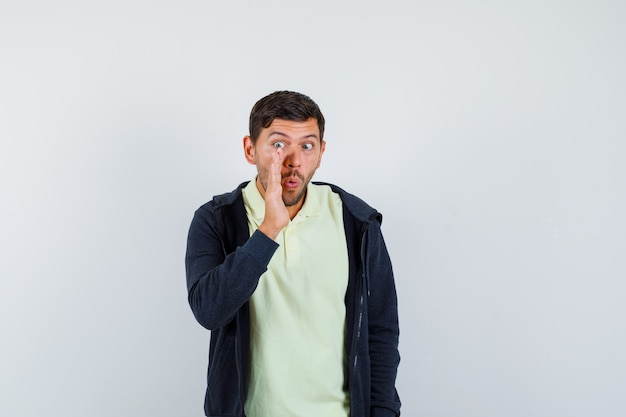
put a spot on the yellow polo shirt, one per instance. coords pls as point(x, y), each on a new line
point(297, 313)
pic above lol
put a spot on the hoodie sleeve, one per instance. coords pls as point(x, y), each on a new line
point(383, 326)
point(218, 284)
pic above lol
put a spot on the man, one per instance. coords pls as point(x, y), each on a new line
point(294, 281)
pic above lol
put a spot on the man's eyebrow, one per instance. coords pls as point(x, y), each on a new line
point(275, 132)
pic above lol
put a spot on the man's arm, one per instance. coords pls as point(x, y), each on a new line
point(383, 328)
point(218, 284)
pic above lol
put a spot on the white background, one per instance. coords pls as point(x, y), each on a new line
point(491, 134)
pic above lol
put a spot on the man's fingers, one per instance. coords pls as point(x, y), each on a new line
point(277, 159)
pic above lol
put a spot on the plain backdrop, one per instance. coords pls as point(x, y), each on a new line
point(490, 134)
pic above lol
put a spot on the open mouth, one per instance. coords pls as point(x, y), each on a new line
point(291, 182)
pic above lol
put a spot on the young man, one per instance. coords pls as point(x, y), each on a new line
point(294, 281)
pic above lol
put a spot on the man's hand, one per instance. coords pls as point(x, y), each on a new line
point(276, 214)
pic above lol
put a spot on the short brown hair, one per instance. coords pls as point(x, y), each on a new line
point(286, 105)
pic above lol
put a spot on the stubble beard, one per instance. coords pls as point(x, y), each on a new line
point(290, 202)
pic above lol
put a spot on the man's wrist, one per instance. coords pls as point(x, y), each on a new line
point(271, 232)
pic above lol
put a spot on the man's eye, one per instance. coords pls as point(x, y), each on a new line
point(279, 145)
point(307, 146)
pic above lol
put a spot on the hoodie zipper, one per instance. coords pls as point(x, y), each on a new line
point(363, 280)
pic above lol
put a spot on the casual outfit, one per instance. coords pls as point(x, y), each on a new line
point(314, 311)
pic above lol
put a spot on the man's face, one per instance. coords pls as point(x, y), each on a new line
point(302, 150)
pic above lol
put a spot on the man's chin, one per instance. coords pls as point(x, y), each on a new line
point(293, 198)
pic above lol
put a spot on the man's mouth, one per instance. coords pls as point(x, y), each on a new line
point(292, 180)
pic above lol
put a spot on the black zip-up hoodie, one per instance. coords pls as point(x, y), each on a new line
point(223, 266)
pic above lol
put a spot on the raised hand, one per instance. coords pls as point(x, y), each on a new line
point(276, 213)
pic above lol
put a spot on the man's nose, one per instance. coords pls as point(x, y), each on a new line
point(293, 159)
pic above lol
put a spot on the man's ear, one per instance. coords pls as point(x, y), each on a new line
point(248, 150)
point(322, 149)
